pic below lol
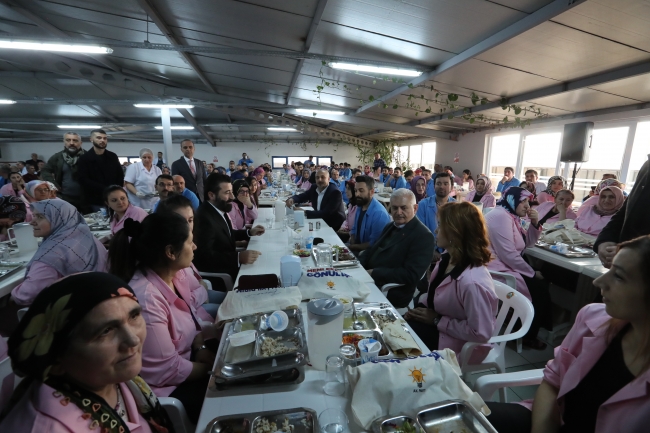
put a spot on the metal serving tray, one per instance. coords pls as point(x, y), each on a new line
point(393, 424)
point(341, 264)
point(235, 363)
point(8, 268)
point(575, 251)
point(453, 416)
point(302, 419)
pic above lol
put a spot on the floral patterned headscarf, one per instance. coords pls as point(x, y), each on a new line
point(549, 185)
point(43, 335)
point(607, 183)
point(510, 199)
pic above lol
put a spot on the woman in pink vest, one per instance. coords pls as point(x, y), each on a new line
point(592, 218)
point(482, 193)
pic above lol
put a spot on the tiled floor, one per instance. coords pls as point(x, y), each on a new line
point(528, 359)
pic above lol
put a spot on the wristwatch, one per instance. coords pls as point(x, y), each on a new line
point(203, 346)
point(437, 320)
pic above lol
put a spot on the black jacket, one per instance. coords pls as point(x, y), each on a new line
point(215, 246)
point(194, 184)
point(97, 172)
point(403, 260)
point(331, 210)
point(633, 219)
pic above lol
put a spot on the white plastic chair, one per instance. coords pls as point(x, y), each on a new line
point(227, 279)
point(177, 415)
point(386, 287)
point(488, 384)
point(521, 309)
point(512, 282)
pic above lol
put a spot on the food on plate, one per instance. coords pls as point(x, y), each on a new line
point(382, 319)
point(344, 253)
point(355, 338)
point(406, 427)
point(263, 425)
point(302, 253)
point(274, 346)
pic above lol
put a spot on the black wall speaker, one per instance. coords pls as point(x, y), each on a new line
point(576, 142)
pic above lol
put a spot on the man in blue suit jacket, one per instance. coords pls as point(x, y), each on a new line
point(397, 181)
point(326, 200)
point(371, 217)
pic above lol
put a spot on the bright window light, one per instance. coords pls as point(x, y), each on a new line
point(7, 101)
point(282, 129)
point(163, 106)
point(376, 69)
point(317, 112)
point(66, 48)
point(79, 127)
point(188, 128)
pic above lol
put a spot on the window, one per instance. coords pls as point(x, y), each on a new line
point(415, 155)
point(129, 159)
point(541, 154)
point(429, 154)
point(278, 161)
point(640, 151)
point(318, 160)
point(503, 153)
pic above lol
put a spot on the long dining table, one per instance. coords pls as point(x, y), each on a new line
point(273, 244)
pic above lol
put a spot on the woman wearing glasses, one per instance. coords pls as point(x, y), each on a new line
point(243, 209)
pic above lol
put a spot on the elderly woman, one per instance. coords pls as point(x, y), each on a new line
point(557, 210)
point(482, 192)
point(243, 209)
point(598, 381)
point(593, 198)
point(592, 219)
point(38, 190)
point(119, 208)
point(16, 187)
point(461, 304)
point(175, 359)
point(512, 227)
point(304, 181)
point(68, 248)
point(79, 349)
point(419, 188)
point(555, 184)
point(140, 180)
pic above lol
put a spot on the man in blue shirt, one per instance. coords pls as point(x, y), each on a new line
point(508, 179)
point(179, 187)
point(309, 162)
point(245, 159)
point(231, 168)
point(384, 176)
point(397, 181)
point(428, 207)
point(371, 217)
point(340, 184)
point(345, 172)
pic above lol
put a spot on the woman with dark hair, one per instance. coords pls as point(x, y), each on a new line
point(175, 359)
point(344, 231)
point(465, 176)
point(68, 248)
point(16, 186)
point(461, 304)
point(243, 209)
point(254, 190)
point(555, 184)
point(598, 381)
point(120, 208)
point(79, 349)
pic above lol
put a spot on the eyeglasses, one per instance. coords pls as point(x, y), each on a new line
point(244, 192)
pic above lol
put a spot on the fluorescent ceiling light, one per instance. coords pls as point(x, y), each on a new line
point(313, 112)
point(282, 129)
point(376, 69)
point(66, 48)
point(163, 106)
point(79, 127)
point(7, 101)
point(177, 127)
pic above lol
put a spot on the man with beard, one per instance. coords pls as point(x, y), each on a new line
point(98, 169)
point(428, 207)
point(214, 235)
point(164, 188)
point(325, 199)
point(371, 217)
point(62, 170)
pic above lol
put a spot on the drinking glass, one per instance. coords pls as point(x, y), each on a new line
point(334, 375)
point(269, 222)
point(333, 421)
point(324, 255)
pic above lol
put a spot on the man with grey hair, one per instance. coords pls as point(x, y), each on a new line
point(61, 170)
point(326, 199)
point(403, 251)
point(192, 169)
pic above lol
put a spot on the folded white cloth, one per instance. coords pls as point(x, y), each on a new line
point(246, 302)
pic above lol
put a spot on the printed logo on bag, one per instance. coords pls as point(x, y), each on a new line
point(418, 377)
point(331, 285)
point(326, 273)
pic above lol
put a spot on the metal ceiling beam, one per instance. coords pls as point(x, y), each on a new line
point(301, 125)
point(376, 132)
point(162, 26)
point(192, 121)
point(555, 89)
point(536, 18)
point(315, 21)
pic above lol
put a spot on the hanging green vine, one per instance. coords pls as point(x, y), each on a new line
point(434, 101)
point(386, 150)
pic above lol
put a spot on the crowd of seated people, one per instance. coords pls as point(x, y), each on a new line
point(440, 252)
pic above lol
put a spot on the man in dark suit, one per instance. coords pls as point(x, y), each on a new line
point(326, 200)
point(214, 235)
point(192, 169)
point(403, 251)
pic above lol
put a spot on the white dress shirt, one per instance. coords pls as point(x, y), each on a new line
point(321, 194)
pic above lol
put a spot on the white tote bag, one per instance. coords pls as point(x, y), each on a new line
point(319, 283)
point(401, 386)
point(246, 302)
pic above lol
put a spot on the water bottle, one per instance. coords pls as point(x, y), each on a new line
point(309, 243)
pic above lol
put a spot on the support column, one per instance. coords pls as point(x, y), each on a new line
point(167, 135)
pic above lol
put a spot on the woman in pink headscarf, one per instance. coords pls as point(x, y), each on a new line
point(258, 174)
point(419, 188)
point(594, 217)
point(593, 200)
point(482, 192)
